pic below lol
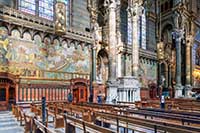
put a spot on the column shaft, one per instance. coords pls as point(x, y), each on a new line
point(135, 47)
point(189, 41)
point(112, 43)
point(166, 76)
point(170, 77)
point(93, 64)
point(178, 35)
point(178, 62)
point(188, 60)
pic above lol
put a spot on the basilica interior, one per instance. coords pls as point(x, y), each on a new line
point(99, 66)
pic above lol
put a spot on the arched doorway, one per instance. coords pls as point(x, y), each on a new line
point(166, 76)
point(7, 91)
point(102, 66)
point(80, 90)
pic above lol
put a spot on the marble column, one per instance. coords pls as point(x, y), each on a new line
point(119, 42)
point(127, 95)
point(119, 55)
point(94, 64)
point(178, 35)
point(94, 29)
point(111, 8)
point(189, 42)
point(112, 84)
point(135, 11)
point(124, 64)
point(159, 74)
point(124, 98)
point(166, 76)
point(170, 76)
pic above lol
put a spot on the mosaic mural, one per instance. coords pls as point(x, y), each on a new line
point(36, 59)
point(196, 60)
point(147, 73)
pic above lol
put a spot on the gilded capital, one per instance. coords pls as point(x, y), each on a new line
point(189, 40)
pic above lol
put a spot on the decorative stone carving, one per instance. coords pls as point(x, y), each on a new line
point(96, 32)
point(60, 16)
point(178, 34)
point(110, 4)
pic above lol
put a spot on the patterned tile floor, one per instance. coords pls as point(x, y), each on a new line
point(9, 124)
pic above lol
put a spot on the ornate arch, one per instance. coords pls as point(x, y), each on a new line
point(102, 65)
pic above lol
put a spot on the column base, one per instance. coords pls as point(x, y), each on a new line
point(188, 91)
point(132, 86)
point(178, 91)
point(111, 92)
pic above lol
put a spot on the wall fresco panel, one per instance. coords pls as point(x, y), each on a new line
point(28, 58)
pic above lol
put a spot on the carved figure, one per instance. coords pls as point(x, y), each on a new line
point(96, 32)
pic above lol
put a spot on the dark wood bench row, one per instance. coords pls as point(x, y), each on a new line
point(77, 109)
point(178, 104)
point(151, 124)
point(29, 121)
point(168, 116)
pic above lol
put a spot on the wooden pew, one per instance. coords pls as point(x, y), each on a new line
point(88, 110)
point(152, 124)
point(178, 104)
point(168, 116)
point(38, 126)
point(21, 116)
point(15, 111)
point(58, 119)
point(85, 126)
point(28, 123)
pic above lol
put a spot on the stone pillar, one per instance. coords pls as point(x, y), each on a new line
point(119, 55)
point(170, 81)
point(178, 35)
point(94, 64)
point(170, 76)
point(119, 42)
point(112, 40)
point(94, 29)
point(124, 98)
point(112, 84)
point(120, 95)
point(127, 95)
point(124, 64)
point(135, 10)
point(159, 74)
point(166, 76)
point(189, 41)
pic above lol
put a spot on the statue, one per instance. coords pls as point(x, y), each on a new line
point(109, 3)
point(96, 32)
point(60, 13)
point(99, 71)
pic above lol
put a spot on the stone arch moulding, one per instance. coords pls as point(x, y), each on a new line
point(165, 24)
point(102, 65)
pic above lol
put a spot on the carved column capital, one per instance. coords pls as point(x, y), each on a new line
point(178, 34)
point(189, 40)
point(135, 10)
point(110, 4)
